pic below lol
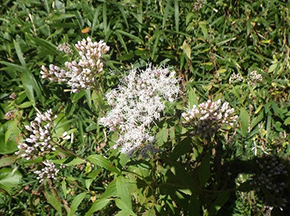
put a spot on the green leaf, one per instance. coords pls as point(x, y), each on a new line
point(204, 170)
point(192, 98)
point(76, 202)
point(272, 67)
point(111, 190)
point(245, 187)
point(186, 49)
point(176, 14)
point(91, 177)
point(19, 53)
point(64, 188)
point(26, 104)
point(97, 205)
point(9, 178)
point(125, 207)
point(54, 201)
point(220, 71)
point(162, 136)
point(133, 37)
point(45, 44)
point(244, 118)
point(121, 40)
point(219, 202)
point(9, 137)
point(287, 121)
point(76, 161)
point(194, 206)
point(257, 119)
point(122, 191)
point(7, 160)
point(203, 27)
point(181, 148)
point(103, 162)
point(166, 13)
point(182, 176)
point(13, 66)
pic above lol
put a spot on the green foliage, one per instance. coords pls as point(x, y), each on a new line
point(190, 175)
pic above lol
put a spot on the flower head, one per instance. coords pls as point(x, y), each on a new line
point(49, 171)
point(64, 47)
point(136, 103)
point(255, 78)
point(39, 140)
point(206, 118)
point(270, 181)
point(79, 74)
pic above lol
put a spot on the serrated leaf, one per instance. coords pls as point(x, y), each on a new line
point(194, 207)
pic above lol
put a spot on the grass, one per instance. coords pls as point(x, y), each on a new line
point(190, 175)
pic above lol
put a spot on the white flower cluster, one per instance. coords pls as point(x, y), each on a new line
point(136, 103)
point(234, 78)
point(255, 78)
point(64, 47)
point(48, 172)
point(79, 74)
point(38, 143)
point(206, 118)
point(271, 178)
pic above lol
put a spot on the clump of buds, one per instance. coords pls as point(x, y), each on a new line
point(235, 78)
point(255, 78)
point(64, 47)
point(38, 143)
point(208, 117)
point(48, 172)
point(79, 74)
point(270, 181)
